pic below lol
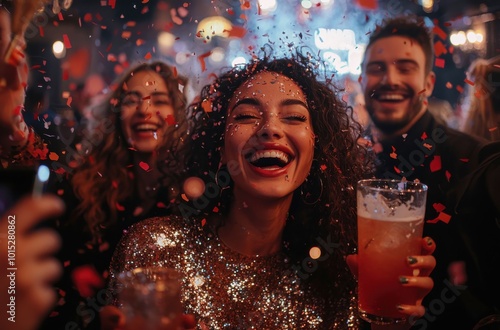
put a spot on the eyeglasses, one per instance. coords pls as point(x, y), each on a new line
point(156, 99)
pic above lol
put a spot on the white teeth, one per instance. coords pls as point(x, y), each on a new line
point(391, 97)
point(146, 127)
point(270, 154)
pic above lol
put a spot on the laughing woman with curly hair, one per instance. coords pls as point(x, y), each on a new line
point(278, 145)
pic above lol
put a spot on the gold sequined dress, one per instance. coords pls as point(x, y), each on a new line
point(222, 288)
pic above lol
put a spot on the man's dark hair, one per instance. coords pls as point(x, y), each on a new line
point(411, 27)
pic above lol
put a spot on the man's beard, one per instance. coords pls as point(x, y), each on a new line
point(391, 127)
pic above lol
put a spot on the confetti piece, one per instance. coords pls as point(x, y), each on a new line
point(67, 43)
point(203, 222)
point(237, 32)
point(393, 154)
point(467, 81)
point(460, 89)
point(119, 207)
point(397, 170)
point(441, 217)
point(144, 166)
point(439, 63)
point(449, 85)
point(323, 167)
point(424, 136)
point(148, 56)
point(245, 5)
point(367, 4)
point(438, 207)
point(86, 280)
point(53, 156)
point(170, 120)
point(440, 33)
point(493, 129)
point(435, 164)
point(206, 105)
point(201, 59)
point(161, 205)
point(448, 175)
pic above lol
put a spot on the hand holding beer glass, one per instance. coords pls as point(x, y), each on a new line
point(390, 223)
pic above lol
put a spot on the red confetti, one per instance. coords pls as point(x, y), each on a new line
point(148, 56)
point(170, 120)
point(440, 33)
point(393, 154)
point(119, 207)
point(42, 31)
point(161, 205)
point(86, 280)
point(493, 129)
point(448, 175)
point(53, 156)
point(435, 164)
point(201, 59)
point(144, 166)
point(203, 222)
point(439, 63)
point(112, 3)
point(449, 85)
point(460, 89)
point(467, 81)
point(465, 160)
point(67, 43)
point(397, 170)
point(424, 136)
point(245, 5)
point(439, 48)
point(237, 32)
point(441, 217)
point(438, 207)
point(323, 167)
point(367, 4)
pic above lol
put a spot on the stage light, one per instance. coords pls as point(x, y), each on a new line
point(213, 26)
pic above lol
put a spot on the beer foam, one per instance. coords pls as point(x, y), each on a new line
point(375, 207)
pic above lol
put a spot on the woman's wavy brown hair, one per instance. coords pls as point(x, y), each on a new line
point(105, 177)
point(324, 207)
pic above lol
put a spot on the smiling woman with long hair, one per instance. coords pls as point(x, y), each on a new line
point(265, 245)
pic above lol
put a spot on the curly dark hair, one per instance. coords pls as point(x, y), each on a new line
point(324, 207)
point(110, 156)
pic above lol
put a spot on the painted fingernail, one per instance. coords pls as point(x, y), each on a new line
point(429, 241)
point(412, 260)
point(403, 280)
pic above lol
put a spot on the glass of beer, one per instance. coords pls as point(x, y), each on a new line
point(390, 223)
point(150, 298)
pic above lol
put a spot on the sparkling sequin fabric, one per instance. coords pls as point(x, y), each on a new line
point(222, 288)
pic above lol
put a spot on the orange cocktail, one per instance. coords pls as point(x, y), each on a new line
point(390, 224)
